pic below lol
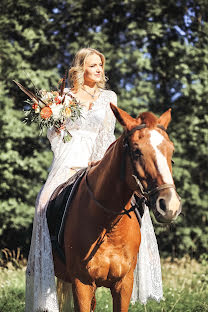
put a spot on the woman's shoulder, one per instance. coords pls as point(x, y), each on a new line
point(109, 92)
point(111, 95)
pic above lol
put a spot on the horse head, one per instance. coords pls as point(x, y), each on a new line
point(148, 161)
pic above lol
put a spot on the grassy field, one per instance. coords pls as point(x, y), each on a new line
point(185, 284)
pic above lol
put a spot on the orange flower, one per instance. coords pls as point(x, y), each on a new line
point(71, 103)
point(46, 112)
point(67, 112)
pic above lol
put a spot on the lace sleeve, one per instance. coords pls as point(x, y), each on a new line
point(55, 140)
point(106, 132)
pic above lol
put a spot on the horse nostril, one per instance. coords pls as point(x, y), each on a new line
point(162, 205)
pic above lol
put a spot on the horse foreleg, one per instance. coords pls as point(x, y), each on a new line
point(84, 296)
point(121, 293)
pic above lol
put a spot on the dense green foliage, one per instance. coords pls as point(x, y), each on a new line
point(25, 157)
point(184, 285)
point(157, 57)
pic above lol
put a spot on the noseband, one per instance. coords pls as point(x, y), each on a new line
point(144, 196)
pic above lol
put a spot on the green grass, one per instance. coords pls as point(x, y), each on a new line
point(12, 288)
point(185, 285)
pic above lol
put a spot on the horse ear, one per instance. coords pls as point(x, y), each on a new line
point(123, 117)
point(165, 118)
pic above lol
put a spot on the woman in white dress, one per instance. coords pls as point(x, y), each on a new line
point(91, 134)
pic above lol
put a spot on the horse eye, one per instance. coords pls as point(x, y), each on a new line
point(137, 153)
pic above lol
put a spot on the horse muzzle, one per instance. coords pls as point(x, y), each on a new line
point(167, 206)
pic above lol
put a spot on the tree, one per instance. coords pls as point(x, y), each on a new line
point(24, 158)
point(157, 58)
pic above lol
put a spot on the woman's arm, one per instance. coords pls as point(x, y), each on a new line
point(106, 135)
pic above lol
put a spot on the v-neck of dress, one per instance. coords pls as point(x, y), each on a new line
point(93, 102)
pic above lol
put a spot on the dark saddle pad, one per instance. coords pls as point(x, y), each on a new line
point(58, 208)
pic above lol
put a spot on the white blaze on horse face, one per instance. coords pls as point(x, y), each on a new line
point(171, 199)
point(156, 139)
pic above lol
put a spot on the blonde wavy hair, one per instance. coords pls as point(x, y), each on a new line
point(76, 72)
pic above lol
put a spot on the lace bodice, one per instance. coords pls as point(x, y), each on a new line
point(91, 133)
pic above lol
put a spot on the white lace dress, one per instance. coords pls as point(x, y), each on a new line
point(91, 136)
point(147, 274)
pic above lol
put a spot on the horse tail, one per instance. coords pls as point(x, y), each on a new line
point(65, 296)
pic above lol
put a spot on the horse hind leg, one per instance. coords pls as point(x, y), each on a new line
point(65, 296)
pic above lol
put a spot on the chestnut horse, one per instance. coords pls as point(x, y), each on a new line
point(101, 241)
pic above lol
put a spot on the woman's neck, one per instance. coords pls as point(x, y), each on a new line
point(90, 87)
point(91, 91)
point(90, 84)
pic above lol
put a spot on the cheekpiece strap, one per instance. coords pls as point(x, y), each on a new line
point(123, 160)
point(161, 127)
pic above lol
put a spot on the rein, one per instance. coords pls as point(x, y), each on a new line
point(127, 212)
point(145, 196)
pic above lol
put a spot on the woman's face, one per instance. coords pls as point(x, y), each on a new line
point(93, 69)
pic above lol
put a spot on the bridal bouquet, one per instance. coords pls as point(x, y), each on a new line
point(51, 108)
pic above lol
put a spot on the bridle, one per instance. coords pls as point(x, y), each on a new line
point(144, 196)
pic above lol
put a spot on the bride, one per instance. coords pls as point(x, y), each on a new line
point(91, 134)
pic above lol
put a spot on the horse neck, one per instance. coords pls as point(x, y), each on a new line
point(105, 179)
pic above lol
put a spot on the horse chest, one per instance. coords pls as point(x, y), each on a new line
point(110, 263)
point(105, 258)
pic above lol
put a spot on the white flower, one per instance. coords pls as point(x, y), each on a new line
point(67, 100)
point(37, 110)
point(56, 110)
point(46, 95)
point(49, 96)
point(43, 92)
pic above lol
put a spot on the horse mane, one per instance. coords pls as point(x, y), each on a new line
point(148, 118)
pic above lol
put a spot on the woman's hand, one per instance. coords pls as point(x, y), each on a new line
point(61, 127)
